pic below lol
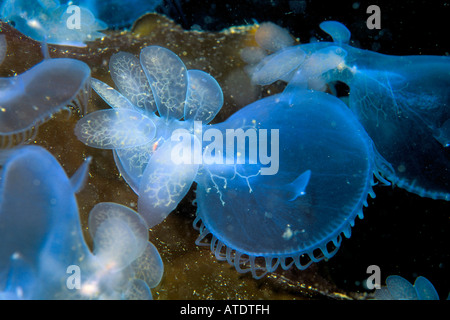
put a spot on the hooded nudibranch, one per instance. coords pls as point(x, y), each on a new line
point(61, 24)
point(43, 253)
point(297, 214)
point(141, 140)
point(31, 98)
point(289, 207)
point(402, 102)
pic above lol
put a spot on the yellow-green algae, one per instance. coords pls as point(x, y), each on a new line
point(191, 272)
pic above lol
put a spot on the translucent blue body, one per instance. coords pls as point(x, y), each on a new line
point(398, 288)
point(296, 216)
point(31, 98)
point(158, 81)
point(62, 24)
point(402, 102)
point(291, 193)
point(43, 250)
point(117, 13)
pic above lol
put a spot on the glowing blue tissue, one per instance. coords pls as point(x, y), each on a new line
point(44, 255)
point(337, 31)
point(164, 183)
point(157, 81)
point(31, 98)
point(121, 244)
point(275, 67)
point(61, 24)
point(402, 102)
point(168, 78)
point(296, 214)
point(204, 97)
point(285, 196)
point(39, 225)
point(398, 288)
point(131, 81)
point(119, 128)
point(119, 13)
point(314, 59)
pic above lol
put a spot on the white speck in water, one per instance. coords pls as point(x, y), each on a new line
point(287, 233)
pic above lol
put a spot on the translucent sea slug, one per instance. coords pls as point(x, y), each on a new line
point(398, 288)
point(119, 13)
point(294, 174)
point(61, 24)
point(298, 215)
point(31, 98)
point(43, 253)
point(142, 141)
point(402, 102)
